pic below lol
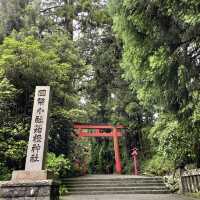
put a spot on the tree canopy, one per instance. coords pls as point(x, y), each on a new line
point(161, 59)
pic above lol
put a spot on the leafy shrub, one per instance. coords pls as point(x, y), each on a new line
point(127, 167)
point(157, 165)
point(60, 165)
point(5, 173)
point(172, 181)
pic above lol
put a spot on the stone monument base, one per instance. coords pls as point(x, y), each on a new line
point(30, 185)
point(32, 175)
point(29, 190)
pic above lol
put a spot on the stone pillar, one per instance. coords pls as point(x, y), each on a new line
point(34, 182)
point(38, 139)
point(37, 146)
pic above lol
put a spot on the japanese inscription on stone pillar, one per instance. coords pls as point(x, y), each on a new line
point(37, 145)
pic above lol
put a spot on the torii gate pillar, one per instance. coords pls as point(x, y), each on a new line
point(117, 152)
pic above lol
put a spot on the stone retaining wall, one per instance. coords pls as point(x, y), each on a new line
point(40, 190)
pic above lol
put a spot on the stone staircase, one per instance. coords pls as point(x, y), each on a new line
point(114, 184)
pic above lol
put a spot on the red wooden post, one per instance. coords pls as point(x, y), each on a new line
point(134, 155)
point(117, 152)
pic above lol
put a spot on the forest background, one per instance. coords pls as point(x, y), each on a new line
point(134, 63)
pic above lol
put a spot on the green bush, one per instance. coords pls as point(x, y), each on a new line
point(5, 173)
point(157, 165)
point(63, 190)
point(127, 167)
point(60, 165)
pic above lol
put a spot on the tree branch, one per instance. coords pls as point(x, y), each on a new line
point(50, 8)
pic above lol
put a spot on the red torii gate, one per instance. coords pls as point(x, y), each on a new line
point(98, 130)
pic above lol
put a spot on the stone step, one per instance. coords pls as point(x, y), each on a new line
point(116, 188)
point(114, 179)
point(113, 184)
point(124, 183)
point(119, 192)
point(110, 182)
point(94, 185)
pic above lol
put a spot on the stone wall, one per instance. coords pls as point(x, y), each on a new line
point(40, 190)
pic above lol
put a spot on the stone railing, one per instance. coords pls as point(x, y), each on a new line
point(190, 181)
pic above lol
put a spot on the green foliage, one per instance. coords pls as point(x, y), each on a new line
point(161, 60)
point(173, 140)
point(108, 97)
point(102, 158)
point(28, 61)
point(7, 91)
point(8, 94)
point(158, 44)
point(12, 144)
point(59, 165)
point(5, 173)
point(12, 131)
point(157, 165)
point(63, 190)
point(11, 13)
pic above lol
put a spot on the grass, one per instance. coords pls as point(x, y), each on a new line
point(194, 195)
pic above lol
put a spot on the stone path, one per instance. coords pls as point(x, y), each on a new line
point(128, 197)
